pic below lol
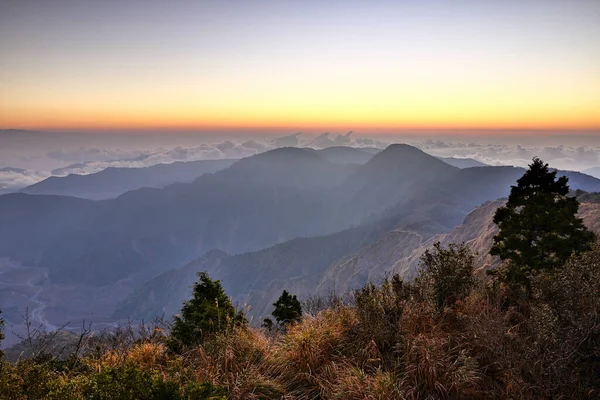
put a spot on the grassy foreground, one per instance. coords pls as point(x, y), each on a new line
point(448, 334)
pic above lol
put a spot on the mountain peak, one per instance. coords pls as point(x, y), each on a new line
point(403, 155)
point(400, 149)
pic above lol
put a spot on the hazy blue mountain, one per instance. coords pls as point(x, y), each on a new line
point(282, 216)
point(257, 202)
point(346, 155)
point(579, 180)
point(318, 265)
point(462, 162)
point(392, 177)
point(298, 265)
point(338, 261)
point(112, 182)
point(287, 167)
point(594, 171)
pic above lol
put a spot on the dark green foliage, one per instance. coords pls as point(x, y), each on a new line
point(379, 309)
point(539, 229)
point(41, 380)
point(447, 273)
point(287, 309)
point(566, 320)
point(204, 391)
point(129, 383)
point(267, 324)
point(209, 311)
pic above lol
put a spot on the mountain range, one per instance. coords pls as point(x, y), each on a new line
point(112, 182)
point(304, 220)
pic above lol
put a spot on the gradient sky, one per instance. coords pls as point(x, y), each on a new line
point(370, 65)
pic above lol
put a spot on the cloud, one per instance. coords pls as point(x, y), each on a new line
point(17, 178)
point(91, 160)
point(285, 141)
point(83, 154)
point(222, 150)
point(327, 140)
point(86, 160)
point(559, 156)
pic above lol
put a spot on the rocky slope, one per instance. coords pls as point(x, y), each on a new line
point(402, 256)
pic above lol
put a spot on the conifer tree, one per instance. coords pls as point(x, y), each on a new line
point(539, 227)
point(287, 309)
point(208, 311)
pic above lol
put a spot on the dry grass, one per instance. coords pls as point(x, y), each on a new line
point(390, 341)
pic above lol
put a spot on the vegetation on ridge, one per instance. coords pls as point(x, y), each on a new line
point(385, 341)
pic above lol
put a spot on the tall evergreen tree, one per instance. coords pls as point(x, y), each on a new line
point(208, 311)
point(539, 228)
point(287, 309)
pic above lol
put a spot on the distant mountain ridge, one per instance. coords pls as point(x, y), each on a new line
point(112, 182)
point(594, 171)
point(463, 162)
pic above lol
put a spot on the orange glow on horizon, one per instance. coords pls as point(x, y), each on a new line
point(353, 121)
point(260, 66)
point(320, 105)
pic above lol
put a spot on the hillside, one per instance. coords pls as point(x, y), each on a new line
point(477, 230)
point(257, 278)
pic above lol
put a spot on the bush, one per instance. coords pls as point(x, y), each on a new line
point(447, 274)
point(379, 309)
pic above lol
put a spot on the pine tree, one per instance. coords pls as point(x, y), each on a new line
point(287, 309)
point(539, 229)
point(209, 311)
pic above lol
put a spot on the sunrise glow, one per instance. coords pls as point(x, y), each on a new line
point(380, 66)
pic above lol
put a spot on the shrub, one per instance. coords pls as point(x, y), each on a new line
point(379, 309)
point(447, 273)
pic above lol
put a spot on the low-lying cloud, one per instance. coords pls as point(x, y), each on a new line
point(90, 159)
point(16, 178)
point(561, 156)
point(87, 160)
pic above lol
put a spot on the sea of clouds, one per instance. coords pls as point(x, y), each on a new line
point(565, 157)
point(67, 160)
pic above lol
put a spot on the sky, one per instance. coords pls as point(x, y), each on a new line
point(369, 66)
